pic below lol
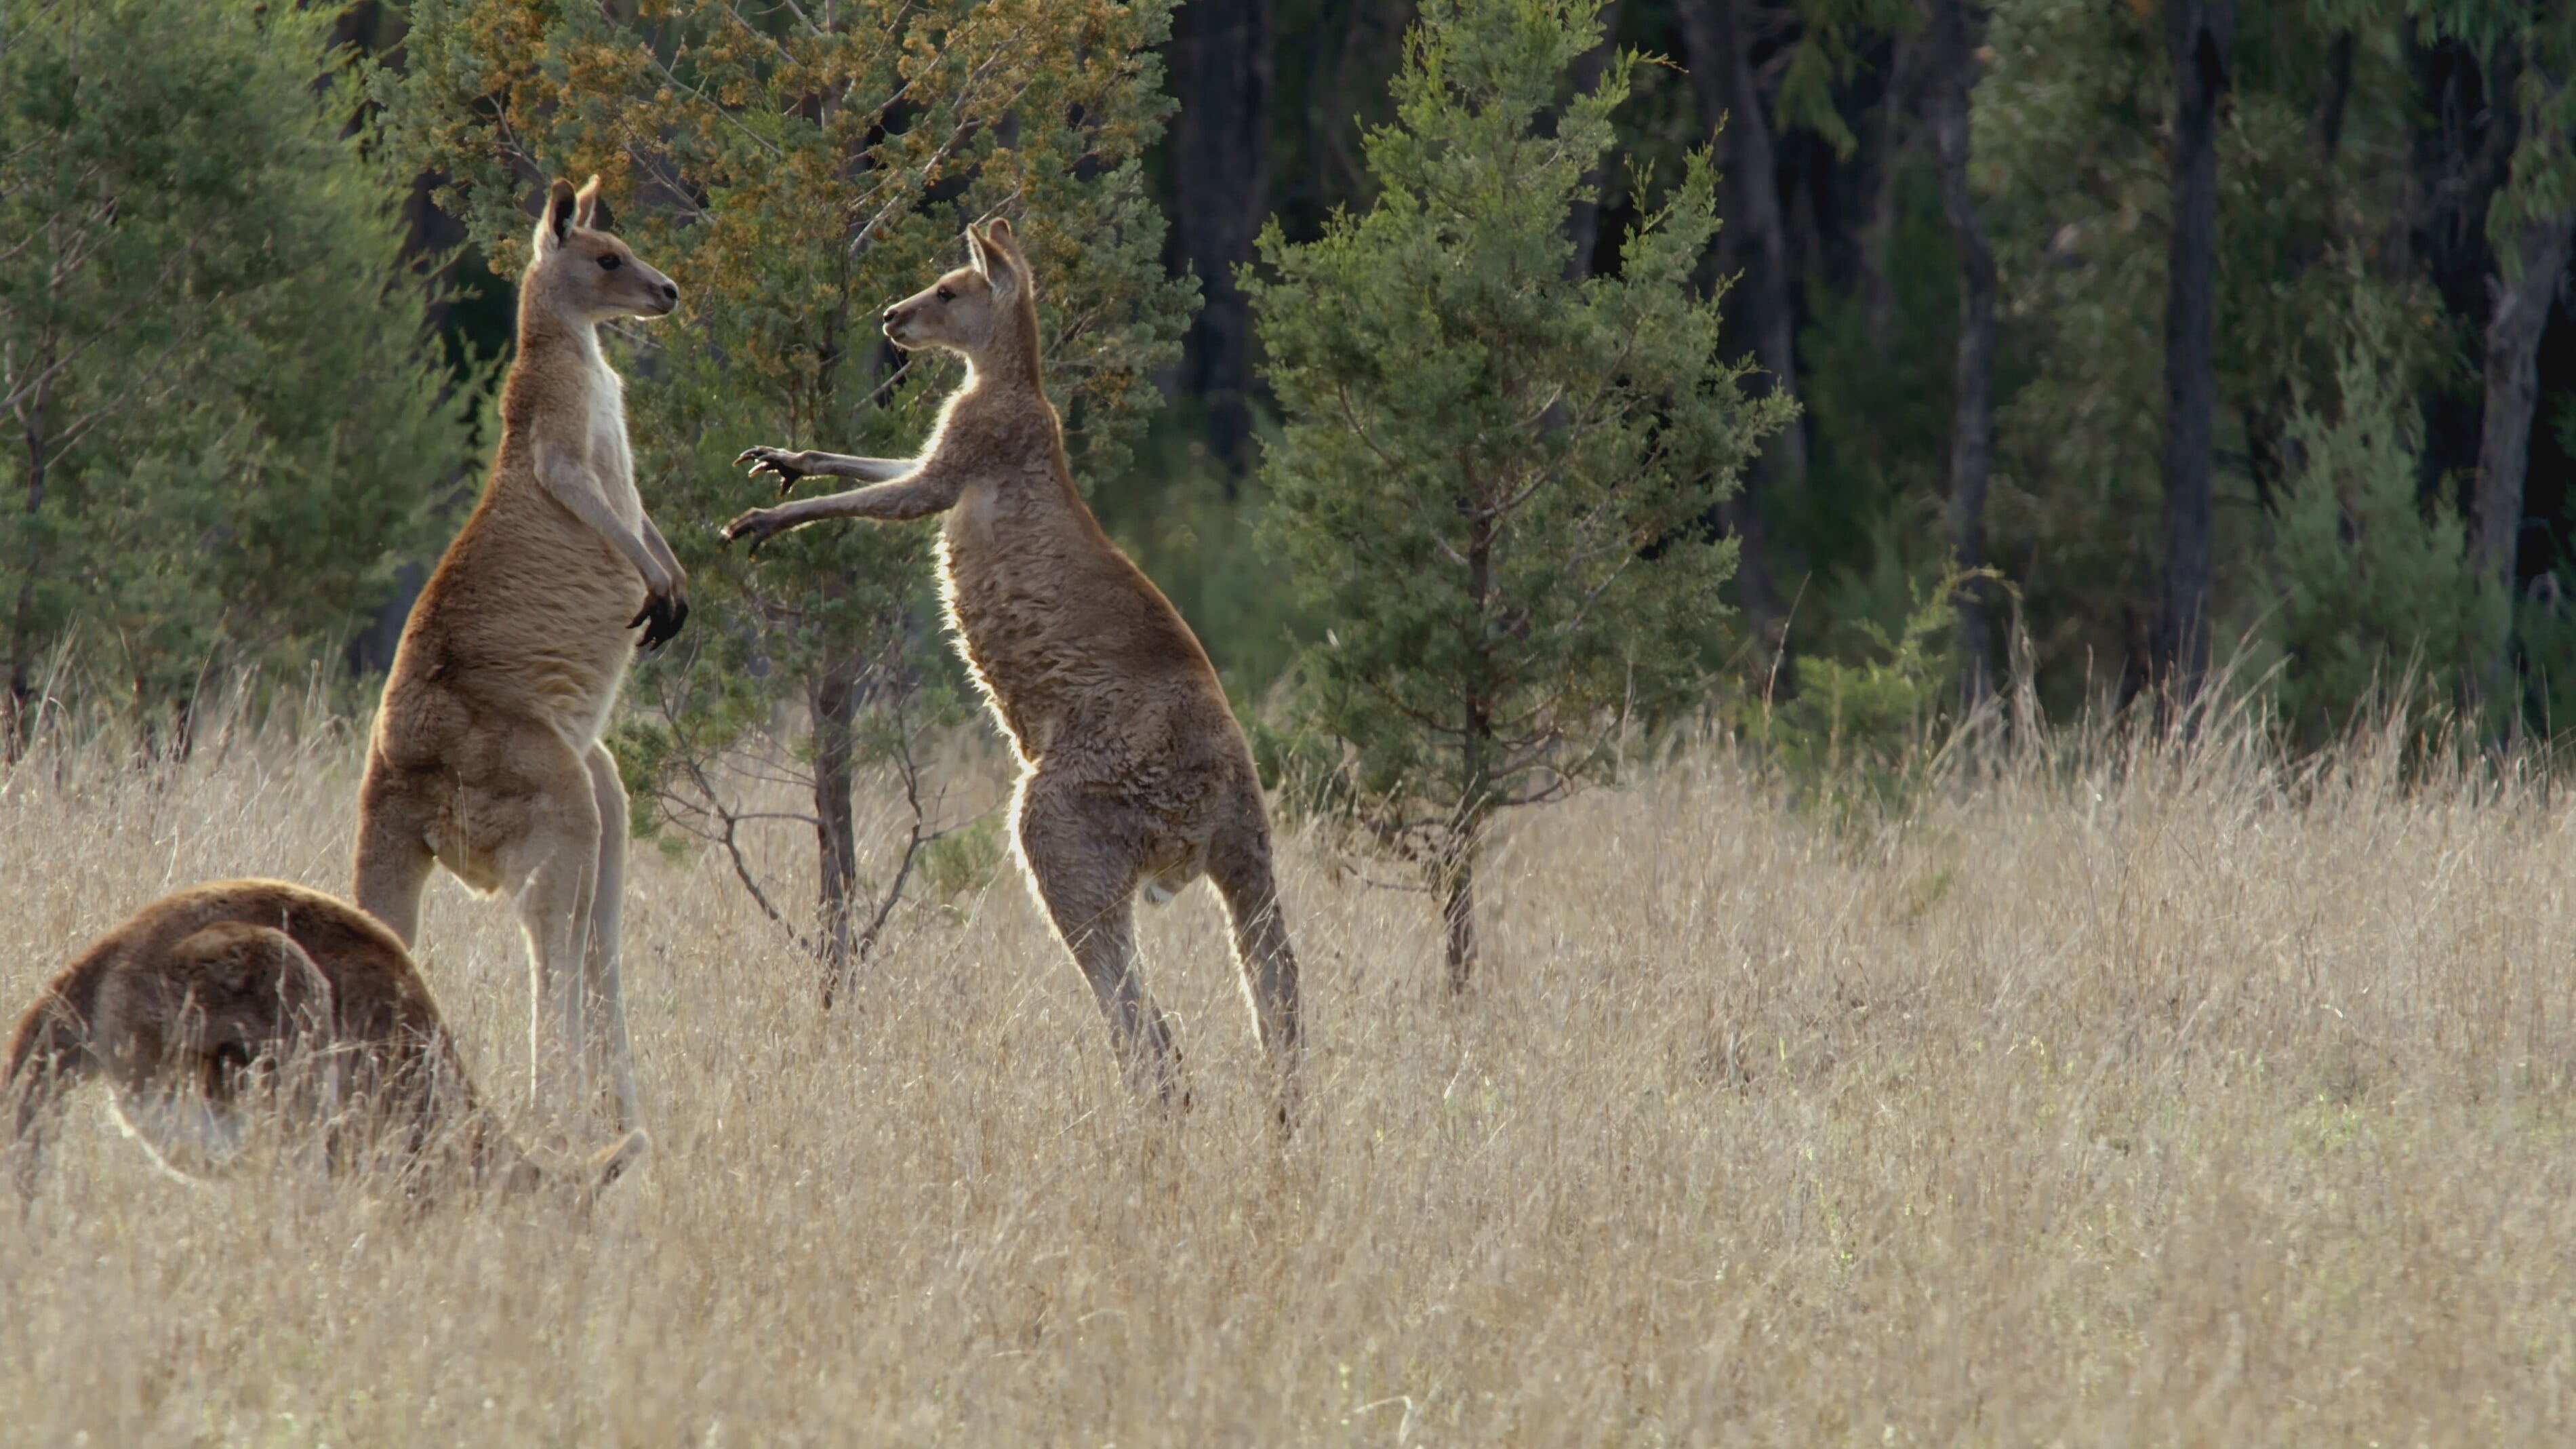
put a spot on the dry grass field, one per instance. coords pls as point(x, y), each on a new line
point(2187, 1103)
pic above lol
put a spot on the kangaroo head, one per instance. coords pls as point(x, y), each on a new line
point(222, 998)
point(579, 269)
point(982, 311)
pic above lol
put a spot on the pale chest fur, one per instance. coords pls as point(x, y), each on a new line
point(612, 460)
point(997, 618)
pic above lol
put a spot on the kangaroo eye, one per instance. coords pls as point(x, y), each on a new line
point(608, 262)
point(946, 295)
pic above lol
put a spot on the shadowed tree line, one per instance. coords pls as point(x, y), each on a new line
point(1953, 227)
point(2058, 349)
point(2050, 281)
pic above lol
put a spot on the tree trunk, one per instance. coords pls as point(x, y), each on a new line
point(1951, 36)
point(1753, 242)
point(2198, 34)
point(1458, 915)
point(2513, 339)
point(834, 702)
point(2459, 154)
point(24, 708)
point(1220, 170)
point(1583, 226)
point(2326, 128)
point(1749, 199)
point(1886, 145)
point(1467, 816)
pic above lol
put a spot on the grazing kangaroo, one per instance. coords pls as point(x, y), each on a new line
point(1133, 770)
point(487, 756)
point(203, 996)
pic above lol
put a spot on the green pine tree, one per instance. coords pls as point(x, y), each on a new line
point(1495, 484)
point(223, 430)
point(2382, 604)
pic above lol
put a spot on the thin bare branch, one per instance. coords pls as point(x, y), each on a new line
point(727, 116)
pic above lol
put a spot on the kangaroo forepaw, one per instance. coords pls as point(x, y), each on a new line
point(760, 525)
point(786, 465)
point(661, 618)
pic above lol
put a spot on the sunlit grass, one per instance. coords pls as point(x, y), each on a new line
point(2202, 1102)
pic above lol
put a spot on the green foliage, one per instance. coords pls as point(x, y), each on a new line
point(2542, 36)
point(795, 178)
point(2381, 606)
point(1827, 55)
point(1194, 529)
point(1493, 484)
point(964, 860)
point(243, 430)
point(223, 426)
point(2544, 636)
point(2075, 189)
point(1861, 736)
point(1871, 512)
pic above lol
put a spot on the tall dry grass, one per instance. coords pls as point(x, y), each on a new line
point(2191, 1101)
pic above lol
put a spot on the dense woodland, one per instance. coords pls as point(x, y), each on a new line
point(2094, 355)
point(2055, 305)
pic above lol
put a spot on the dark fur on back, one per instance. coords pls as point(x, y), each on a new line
point(194, 992)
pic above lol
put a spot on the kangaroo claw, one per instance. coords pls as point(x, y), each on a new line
point(661, 617)
point(759, 525)
point(778, 461)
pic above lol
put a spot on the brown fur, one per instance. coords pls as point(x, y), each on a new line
point(487, 756)
point(197, 997)
point(1134, 771)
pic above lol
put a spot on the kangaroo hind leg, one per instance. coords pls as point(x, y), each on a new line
point(545, 834)
point(606, 994)
point(394, 857)
point(1240, 867)
point(1089, 891)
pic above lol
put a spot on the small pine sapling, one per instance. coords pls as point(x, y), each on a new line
point(1495, 485)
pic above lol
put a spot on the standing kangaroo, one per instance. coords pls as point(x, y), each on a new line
point(487, 756)
point(196, 997)
point(1133, 770)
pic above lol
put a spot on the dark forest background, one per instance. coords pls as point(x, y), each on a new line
point(1891, 168)
point(2359, 154)
point(2109, 323)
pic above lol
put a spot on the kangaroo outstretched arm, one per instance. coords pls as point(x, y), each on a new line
point(788, 466)
point(931, 489)
point(660, 548)
point(568, 481)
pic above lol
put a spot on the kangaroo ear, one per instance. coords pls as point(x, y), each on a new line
point(558, 222)
point(997, 256)
point(976, 255)
point(588, 210)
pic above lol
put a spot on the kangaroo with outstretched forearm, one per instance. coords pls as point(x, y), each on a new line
point(487, 755)
point(195, 999)
point(1134, 772)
